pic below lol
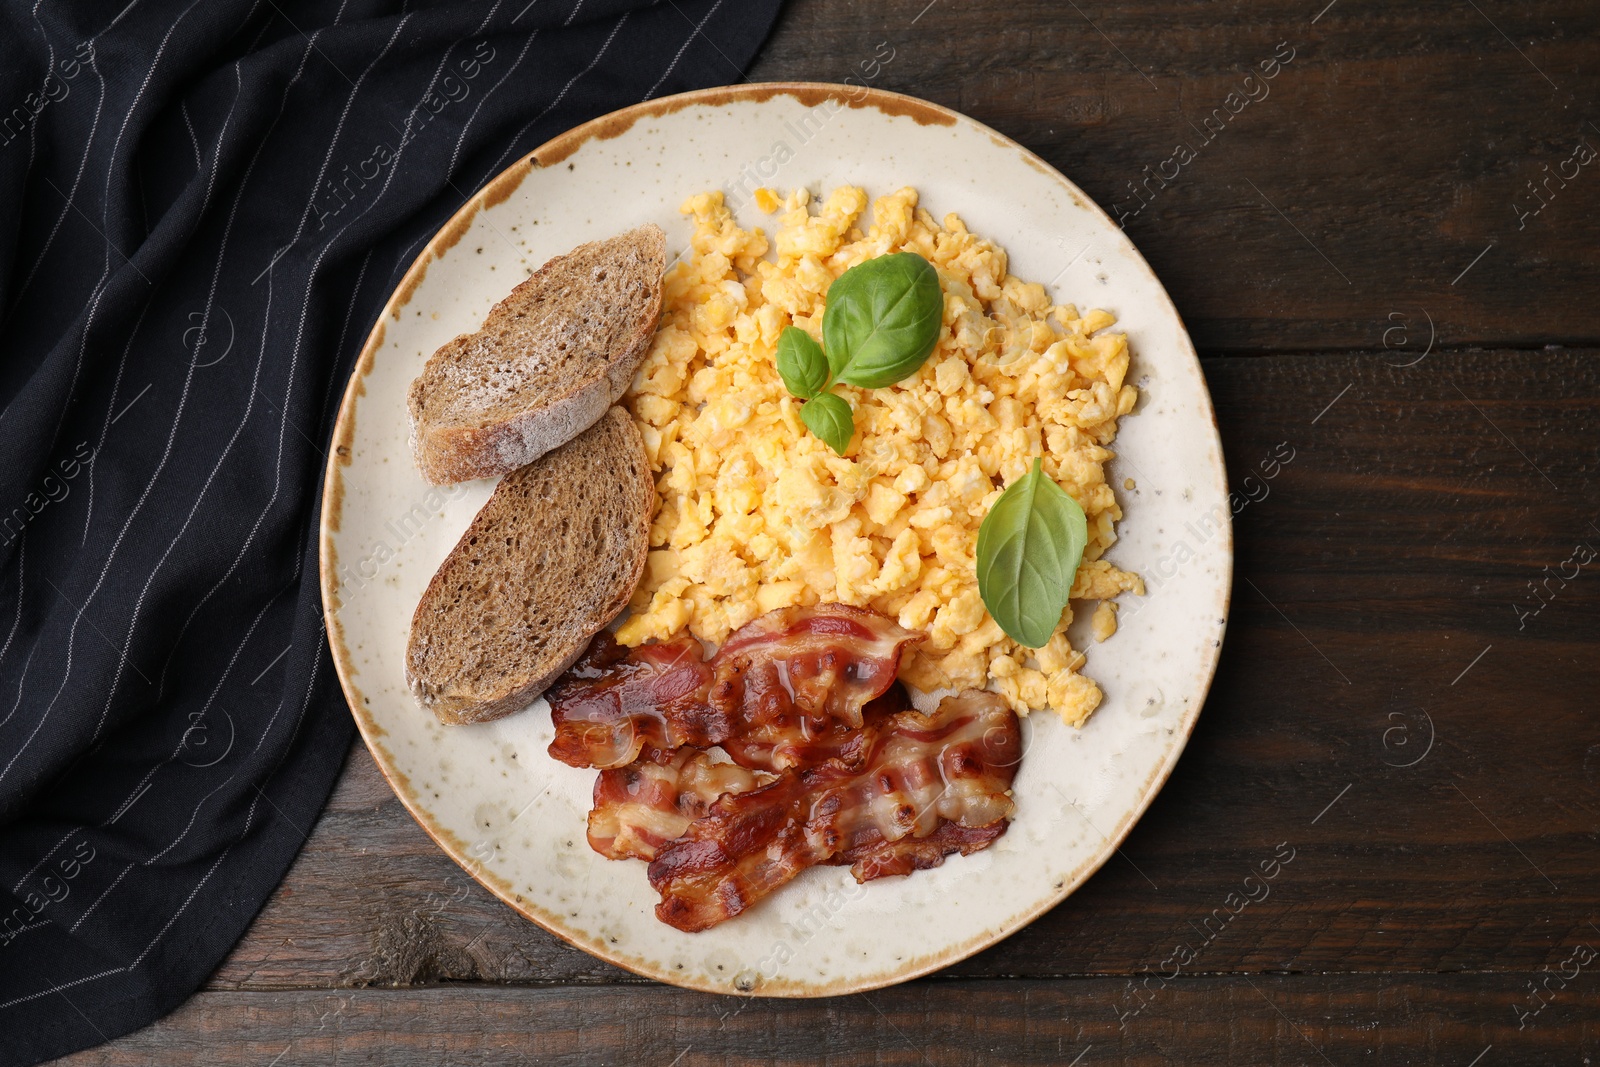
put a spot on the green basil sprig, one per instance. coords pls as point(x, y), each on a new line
point(828, 416)
point(1029, 548)
point(801, 364)
point(882, 319)
point(881, 323)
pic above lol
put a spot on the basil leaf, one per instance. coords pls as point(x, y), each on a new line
point(801, 364)
point(1029, 547)
point(882, 319)
point(828, 415)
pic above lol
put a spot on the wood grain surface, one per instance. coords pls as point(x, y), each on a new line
point(1211, 1021)
point(1395, 146)
point(1408, 692)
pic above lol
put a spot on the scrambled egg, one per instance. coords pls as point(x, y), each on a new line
point(756, 513)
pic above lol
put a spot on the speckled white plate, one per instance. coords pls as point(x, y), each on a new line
point(513, 817)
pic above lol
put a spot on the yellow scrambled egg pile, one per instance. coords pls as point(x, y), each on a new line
point(756, 513)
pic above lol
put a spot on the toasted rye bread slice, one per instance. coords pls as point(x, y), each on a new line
point(549, 560)
point(549, 360)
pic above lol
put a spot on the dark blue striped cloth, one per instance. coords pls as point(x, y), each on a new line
point(203, 207)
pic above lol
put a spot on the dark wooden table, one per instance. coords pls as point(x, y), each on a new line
point(1391, 262)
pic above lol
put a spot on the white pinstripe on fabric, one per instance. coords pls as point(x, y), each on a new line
point(111, 407)
point(187, 826)
point(338, 131)
point(451, 169)
point(681, 50)
point(72, 632)
point(50, 70)
point(405, 132)
point(40, 724)
point(22, 563)
point(20, 680)
point(138, 959)
point(66, 206)
point(289, 392)
point(344, 333)
point(138, 791)
point(277, 474)
point(282, 104)
point(88, 145)
point(249, 822)
point(181, 909)
point(112, 24)
point(172, 542)
point(305, 702)
point(512, 143)
point(58, 988)
point(250, 48)
point(177, 750)
point(266, 317)
point(194, 142)
point(126, 118)
point(42, 924)
point(103, 894)
point(105, 273)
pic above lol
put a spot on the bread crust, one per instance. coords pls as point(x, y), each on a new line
point(447, 698)
point(446, 454)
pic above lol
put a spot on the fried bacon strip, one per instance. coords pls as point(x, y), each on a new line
point(793, 680)
point(614, 702)
point(791, 742)
point(797, 680)
point(651, 801)
point(876, 857)
point(640, 807)
point(930, 785)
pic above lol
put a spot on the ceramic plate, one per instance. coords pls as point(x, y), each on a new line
point(512, 816)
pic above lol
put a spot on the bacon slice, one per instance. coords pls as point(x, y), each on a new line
point(651, 801)
point(640, 807)
point(789, 744)
point(930, 785)
point(797, 679)
point(614, 702)
point(782, 686)
point(876, 857)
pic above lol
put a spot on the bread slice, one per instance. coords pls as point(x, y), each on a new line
point(549, 560)
point(549, 360)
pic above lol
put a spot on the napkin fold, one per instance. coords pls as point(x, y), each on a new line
point(203, 207)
